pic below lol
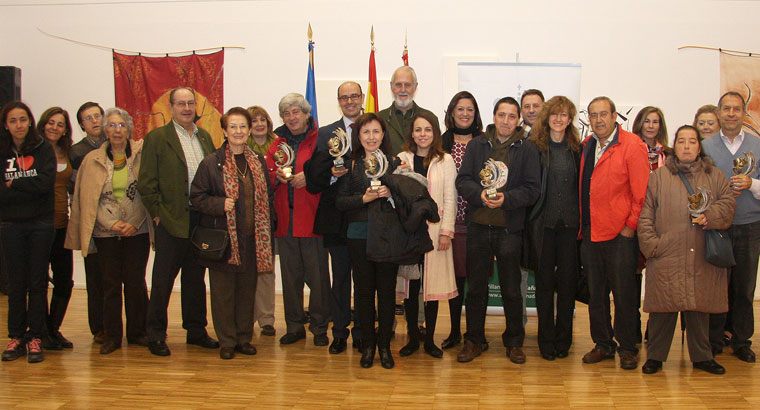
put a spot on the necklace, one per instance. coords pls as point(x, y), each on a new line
point(242, 174)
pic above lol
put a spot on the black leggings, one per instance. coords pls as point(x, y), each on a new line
point(455, 307)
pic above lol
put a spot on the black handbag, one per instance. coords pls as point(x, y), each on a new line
point(719, 250)
point(211, 243)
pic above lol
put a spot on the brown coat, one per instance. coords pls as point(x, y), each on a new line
point(678, 278)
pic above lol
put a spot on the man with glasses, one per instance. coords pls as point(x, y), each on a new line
point(322, 174)
point(726, 146)
point(90, 116)
point(613, 182)
point(170, 158)
point(398, 116)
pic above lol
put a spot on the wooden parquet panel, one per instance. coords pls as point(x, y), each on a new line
point(302, 376)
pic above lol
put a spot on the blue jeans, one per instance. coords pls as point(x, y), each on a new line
point(26, 251)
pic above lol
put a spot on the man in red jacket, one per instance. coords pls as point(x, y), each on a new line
point(613, 184)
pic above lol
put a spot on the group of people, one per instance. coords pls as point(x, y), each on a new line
point(399, 207)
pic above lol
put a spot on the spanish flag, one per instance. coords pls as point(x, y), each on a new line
point(372, 102)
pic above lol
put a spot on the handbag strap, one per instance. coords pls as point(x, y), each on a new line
point(686, 182)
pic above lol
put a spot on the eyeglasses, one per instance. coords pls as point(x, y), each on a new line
point(603, 115)
point(354, 97)
point(119, 125)
point(93, 118)
point(183, 104)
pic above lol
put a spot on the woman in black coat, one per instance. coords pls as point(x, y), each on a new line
point(553, 225)
point(355, 197)
point(231, 191)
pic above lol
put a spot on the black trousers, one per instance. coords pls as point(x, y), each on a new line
point(122, 262)
point(412, 306)
point(557, 273)
point(62, 266)
point(483, 244)
point(741, 289)
point(173, 254)
point(340, 295)
point(662, 326)
point(370, 278)
point(26, 251)
point(94, 280)
point(611, 266)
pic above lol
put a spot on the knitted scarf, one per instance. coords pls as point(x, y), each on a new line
point(261, 222)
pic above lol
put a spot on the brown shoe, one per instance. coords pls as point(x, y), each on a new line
point(596, 356)
point(516, 355)
point(469, 351)
point(109, 346)
point(628, 361)
point(99, 337)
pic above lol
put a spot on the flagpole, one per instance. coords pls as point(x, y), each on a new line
point(311, 91)
point(371, 104)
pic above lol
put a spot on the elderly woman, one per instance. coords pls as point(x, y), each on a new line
point(27, 163)
point(706, 121)
point(303, 258)
point(55, 127)
point(679, 279)
point(554, 222)
point(424, 155)
point(463, 123)
point(262, 136)
point(107, 207)
point(231, 192)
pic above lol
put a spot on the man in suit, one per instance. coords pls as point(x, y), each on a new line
point(329, 222)
point(171, 155)
point(727, 145)
point(398, 116)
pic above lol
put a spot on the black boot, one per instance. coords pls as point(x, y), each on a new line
point(368, 356)
point(412, 331)
point(58, 306)
point(431, 316)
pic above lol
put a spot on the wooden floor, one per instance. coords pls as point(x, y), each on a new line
point(302, 376)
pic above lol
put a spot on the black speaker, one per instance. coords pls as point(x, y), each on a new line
point(10, 84)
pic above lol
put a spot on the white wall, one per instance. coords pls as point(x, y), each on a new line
point(628, 50)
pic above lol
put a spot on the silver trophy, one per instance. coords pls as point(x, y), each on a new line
point(698, 202)
point(376, 166)
point(338, 147)
point(745, 165)
point(283, 158)
point(493, 176)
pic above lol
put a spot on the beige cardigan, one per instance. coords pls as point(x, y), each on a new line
point(92, 177)
point(438, 278)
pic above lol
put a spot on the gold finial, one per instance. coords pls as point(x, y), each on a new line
point(309, 32)
point(406, 37)
point(372, 35)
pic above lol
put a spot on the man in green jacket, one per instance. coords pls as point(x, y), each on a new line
point(170, 158)
point(398, 117)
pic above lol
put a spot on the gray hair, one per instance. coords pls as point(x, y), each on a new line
point(407, 69)
point(124, 114)
point(294, 99)
point(602, 98)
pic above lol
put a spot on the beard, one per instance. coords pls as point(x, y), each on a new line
point(404, 104)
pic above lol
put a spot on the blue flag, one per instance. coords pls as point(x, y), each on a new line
point(311, 91)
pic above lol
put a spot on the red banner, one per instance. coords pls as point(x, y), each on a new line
point(143, 84)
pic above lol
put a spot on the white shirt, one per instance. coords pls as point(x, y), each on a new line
point(733, 147)
point(600, 148)
point(192, 148)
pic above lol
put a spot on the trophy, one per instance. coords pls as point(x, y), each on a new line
point(698, 202)
point(283, 158)
point(493, 176)
point(338, 146)
point(376, 166)
point(745, 165)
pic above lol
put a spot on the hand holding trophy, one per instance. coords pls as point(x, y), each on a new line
point(493, 176)
point(283, 159)
point(698, 203)
point(338, 146)
point(744, 165)
point(375, 167)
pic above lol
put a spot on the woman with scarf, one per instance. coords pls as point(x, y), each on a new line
point(231, 192)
